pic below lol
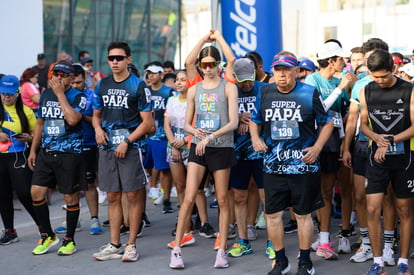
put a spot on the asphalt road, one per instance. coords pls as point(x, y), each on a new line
point(152, 247)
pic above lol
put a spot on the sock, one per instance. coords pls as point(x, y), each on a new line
point(388, 238)
point(116, 245)
point(379, 260)
point(246, 242)
point(364, 235)
point(42, 212)
point(324, 237)
point(280, 255)
point(304, 255)
point(72, 217)
point(402, 261)
point(94, 217)
point(346, 233)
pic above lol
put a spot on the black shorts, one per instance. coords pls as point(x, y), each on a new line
point(90, 156)
point(64, 169)
point(360, 157)
point(329, 162)
point(214, 158)
point(302, 192)
point(243, 170)
point(399, 170)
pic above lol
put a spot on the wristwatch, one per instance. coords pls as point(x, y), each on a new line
point(390, 139)
point(127, 141)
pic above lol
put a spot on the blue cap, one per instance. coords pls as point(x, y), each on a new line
point(307, 64)
point(9, 85)
point(63, 67)
point(284, 60)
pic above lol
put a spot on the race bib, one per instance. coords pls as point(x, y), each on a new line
point(117, 136)
point(284, 129)
point(208, 121)
point(396, 149)
point(336, 118)
point(178, 133)
point(54, 127)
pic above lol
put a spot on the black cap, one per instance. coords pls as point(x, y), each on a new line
point(41, 56)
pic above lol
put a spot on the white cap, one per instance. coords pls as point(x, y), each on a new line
point(331, 49)
point(408, 69)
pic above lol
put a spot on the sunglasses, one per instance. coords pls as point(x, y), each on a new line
point(211, 65)
point(116, 57)
point(61, 74)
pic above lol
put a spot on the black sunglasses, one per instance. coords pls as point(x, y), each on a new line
point(116, 57)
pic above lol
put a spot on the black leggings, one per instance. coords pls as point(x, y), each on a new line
point(16, 176)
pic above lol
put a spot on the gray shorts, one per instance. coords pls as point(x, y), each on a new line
point(116, 175)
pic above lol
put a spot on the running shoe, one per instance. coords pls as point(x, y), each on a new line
point(206, 231)
point(124, 230)
point(325, 250)
point(251, 233)
point(146, 219)
point(214, 204)
point(167, 207)
point(176, 260)
point(403, 269)
point(141, 229)
point(357, 244)
point(239, 249)
point(68, 247)
point(187, 239)
point(105, 223)
point(344, 247)
point(279, 267)
point(270, 251)
point(376, 269)
point(388, 256)
point(44, 244)
point(291, 227)
point(221, 259)
point(173, 193)
point(96, 228)
point(261, 221)
point(232, 231)
point(108, 252)
point(130, 253)
point(62, 229)
point(9, 237)
point(316, 244)
point(363, 254)
point(153, 193)
point(160, 198)
point(217, 242)
point(305, 268)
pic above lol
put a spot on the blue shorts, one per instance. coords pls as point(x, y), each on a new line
point(244, 169)
point(156, 156)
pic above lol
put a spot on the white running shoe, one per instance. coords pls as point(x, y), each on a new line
point(315, 244)
point(388, 256)
point(363, 254)
point(344, 247)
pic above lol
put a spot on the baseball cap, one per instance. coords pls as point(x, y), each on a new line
point(9, 85)
point(397, 60)
point(63, 67)
point(244, 70)
point(86, 60)
point(41, 56)
point(154, 69)
point(331, 49)
point(284, 60)
point(408, 69)
point(307, 64)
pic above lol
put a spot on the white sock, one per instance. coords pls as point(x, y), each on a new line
point(379, 260)
point(324, 237)
point(402, 261)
